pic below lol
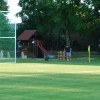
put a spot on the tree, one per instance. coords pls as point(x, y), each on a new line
point(93, 21)
point(5, 29)
point(3, 5)
point(57, 19)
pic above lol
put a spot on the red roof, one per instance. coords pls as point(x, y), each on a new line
point(26, 35)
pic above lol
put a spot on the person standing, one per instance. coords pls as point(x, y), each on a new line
point(19, 45)
point(68, 52)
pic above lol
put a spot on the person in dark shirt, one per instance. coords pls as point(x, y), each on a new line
point(68, 53)
point(19, 45)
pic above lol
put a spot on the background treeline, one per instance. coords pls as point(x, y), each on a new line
point(6, 44)
point(62, 22)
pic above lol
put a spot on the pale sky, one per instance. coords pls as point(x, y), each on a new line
point(13, 8)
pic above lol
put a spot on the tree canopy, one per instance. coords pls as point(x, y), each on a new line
point(5, 28)
point(3, 5)
point(58, 20)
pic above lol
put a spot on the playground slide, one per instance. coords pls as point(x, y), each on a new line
point(42, 48)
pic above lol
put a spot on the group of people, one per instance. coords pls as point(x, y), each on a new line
point(68, 51)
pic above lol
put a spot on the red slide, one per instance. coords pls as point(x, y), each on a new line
point(42, 48)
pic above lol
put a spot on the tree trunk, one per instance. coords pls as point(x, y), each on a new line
point(67, 38)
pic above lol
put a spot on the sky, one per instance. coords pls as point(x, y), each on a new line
point(13, 8)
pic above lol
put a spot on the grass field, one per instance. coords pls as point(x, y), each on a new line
point(41, 81)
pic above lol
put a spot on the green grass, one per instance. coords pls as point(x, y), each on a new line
point(51, 87)
point(77, 59)
point(74, 61)
point(28, 81)
point(6, 60)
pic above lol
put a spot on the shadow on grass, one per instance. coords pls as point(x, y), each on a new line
point(74, 61)
point(47, 86)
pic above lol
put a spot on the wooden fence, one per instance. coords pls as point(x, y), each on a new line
point(61, 55)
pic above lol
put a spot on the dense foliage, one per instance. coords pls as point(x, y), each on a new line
point(5, 29)
point(3, 5)
point(62, 21)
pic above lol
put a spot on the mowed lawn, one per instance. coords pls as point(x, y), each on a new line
point(33, 81)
